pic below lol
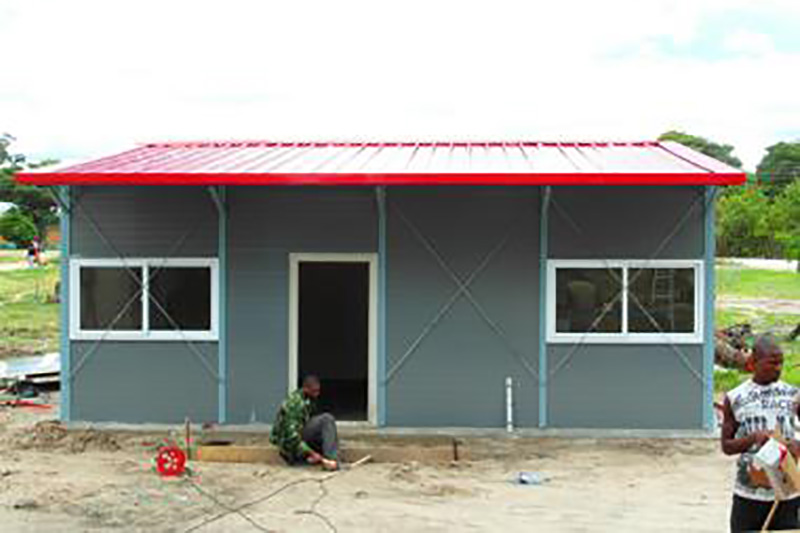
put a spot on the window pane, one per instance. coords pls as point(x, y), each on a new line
point(185, 294)
point(582, 295)
point(666, 295)
point(110, 298)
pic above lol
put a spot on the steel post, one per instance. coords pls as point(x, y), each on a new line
point(380, 194)
point(544, 214)
point(708, 322)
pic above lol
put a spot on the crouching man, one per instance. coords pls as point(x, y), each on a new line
point(752, 412)
point(302, 435)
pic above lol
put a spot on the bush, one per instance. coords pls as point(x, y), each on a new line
point(17, 227)
point(745, 223)
point(786, 217)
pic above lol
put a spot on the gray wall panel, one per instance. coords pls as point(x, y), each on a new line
point(138, 382)
point(625, 222)
point(266, 225)
point(628, 386)
point(144, 222)
point(456, 377)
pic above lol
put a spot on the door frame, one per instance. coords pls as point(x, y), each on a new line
point(371, 259)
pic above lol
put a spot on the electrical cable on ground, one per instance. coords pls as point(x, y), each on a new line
point(311, 510)
point(216, 500)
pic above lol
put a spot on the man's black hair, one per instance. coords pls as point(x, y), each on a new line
point(765, 344)
point(310, 379)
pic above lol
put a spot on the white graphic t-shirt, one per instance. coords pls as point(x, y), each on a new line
point(760, 408)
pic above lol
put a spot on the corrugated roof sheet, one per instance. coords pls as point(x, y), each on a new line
point(386, 163)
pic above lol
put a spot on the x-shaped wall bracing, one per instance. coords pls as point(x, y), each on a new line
point(610, 304)
point(142, 284)
point(462, 290)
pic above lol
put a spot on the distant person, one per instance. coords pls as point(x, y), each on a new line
point(751, 413)
point(37, 251)
point(32, 253)
point(302, 435)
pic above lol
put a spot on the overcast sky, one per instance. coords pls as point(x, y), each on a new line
point(85, 77)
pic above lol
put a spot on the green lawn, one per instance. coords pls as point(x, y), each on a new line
point(752, 283)
point(12, 256)
point(28, 319)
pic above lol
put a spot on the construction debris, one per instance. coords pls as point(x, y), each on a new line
point(733, 347)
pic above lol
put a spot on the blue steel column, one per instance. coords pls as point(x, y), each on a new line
point(708, 322)
point(382, 264)
point(222, 345)
point(543, 229)
point(65, 355)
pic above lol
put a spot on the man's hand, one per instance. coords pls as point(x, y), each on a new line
point(794, 448)
point(759, 438)
point(313, 458)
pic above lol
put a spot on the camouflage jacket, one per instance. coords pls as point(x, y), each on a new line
point(287, 429)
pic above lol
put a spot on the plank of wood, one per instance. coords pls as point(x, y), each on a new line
point(238, 454)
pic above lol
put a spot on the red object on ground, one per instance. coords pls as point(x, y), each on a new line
point(171, 461)
point(27, 403)
point(396, 163)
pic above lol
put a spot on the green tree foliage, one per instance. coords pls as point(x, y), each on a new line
point(786, 217)
point(720, 152)
point(745, 223)
point(779, 167)
point(35, 202)
point(17, 227)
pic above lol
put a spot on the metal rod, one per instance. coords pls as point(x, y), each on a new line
point(708, 319)
point(222, 343)
point(380, 197)
point(64, 342)
point(544, 217)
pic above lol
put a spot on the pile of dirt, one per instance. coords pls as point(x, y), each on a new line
point(53, 435)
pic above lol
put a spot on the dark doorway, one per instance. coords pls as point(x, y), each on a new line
point(333, 334)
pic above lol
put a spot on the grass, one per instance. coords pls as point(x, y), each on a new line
point(28, 318)
point(20, 256)
point(12, 256)
point(754, 283)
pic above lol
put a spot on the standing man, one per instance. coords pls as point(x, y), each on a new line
point(301, 434)
point(752, 412)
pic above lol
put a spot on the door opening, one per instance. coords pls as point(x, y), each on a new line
point(333, 333)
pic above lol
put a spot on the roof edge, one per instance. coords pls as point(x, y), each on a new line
point(204, 179)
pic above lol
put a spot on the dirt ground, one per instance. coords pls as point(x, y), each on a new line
point(86, 480)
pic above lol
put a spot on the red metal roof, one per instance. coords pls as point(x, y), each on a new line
point(397, 163)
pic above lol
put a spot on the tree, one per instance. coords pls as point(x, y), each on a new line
point(779, 167)
point(17, 227)
point(745, 223)
point(720, 152)
point(35, 202)
point(786, 216)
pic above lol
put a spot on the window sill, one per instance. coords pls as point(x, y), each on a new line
point(619, 338)
point(204, 336)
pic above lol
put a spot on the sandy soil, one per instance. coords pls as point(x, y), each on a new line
point(53, 480)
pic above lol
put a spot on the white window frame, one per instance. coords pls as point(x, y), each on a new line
point(626, 337)
point(145, 333)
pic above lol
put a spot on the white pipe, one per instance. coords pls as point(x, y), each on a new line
point(509, 406)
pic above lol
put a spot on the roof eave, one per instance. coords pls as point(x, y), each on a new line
point(187, 178)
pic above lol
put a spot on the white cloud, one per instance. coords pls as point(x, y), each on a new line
point(93, 76)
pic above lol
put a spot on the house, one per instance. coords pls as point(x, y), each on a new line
point(429, 284)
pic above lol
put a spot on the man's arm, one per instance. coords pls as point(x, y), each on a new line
point(734, 446)
point(295, 420)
